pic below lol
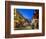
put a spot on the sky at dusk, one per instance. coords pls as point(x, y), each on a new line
point(27, 13)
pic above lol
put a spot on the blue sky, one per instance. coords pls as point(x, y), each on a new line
point(27, 13)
